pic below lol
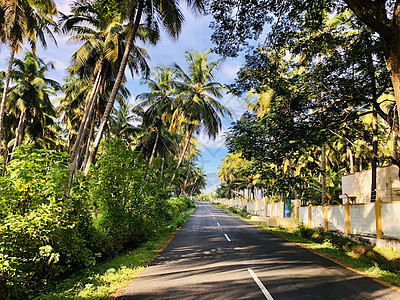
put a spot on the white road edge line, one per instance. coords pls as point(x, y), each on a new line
point(227, 237)
point(218, 224)
point(260, 285)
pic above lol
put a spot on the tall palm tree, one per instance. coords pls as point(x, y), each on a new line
point(195, 107)
point(121, 122)
point(98, 59)
point(169, 14)
point(71, 106)
point(29, 99)
point(20, 20)
point(157, 103)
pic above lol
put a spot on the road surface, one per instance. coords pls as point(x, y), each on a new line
point(217, 256)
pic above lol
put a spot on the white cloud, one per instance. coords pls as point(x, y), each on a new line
point(229, 69)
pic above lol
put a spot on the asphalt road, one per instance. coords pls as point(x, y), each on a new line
point(216, 256)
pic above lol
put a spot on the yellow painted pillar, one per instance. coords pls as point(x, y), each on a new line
point(298, 213)
point(378, 218)
point(347, 217)
point(309, 216)
point(326, 218)
point(272, 209)
point(265, 206)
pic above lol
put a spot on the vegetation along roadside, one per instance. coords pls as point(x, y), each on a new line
point(106, 279)
point(380, 263)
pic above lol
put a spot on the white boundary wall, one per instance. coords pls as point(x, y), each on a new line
point(353, 219)
point(336, 219)
point(361, 218)
point(317, 216)
point(303, 215)
point(391, 219)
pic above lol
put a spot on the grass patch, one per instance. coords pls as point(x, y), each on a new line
point(238, 213)
point(372, 261)
point(104, 279)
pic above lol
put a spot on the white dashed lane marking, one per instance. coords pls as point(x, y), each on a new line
point(260, 285)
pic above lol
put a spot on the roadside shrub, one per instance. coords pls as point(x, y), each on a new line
point(305, 232)
point(241, 212)
point(233, 210)
point(48, 232)
point(131, 198)
point(41, 230)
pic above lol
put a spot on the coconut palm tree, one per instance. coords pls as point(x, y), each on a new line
point(71, 106)
point(157, 103)
point(166, 12)
point(98, 59)
point(195, 107)
point(29, 99)
point(121, 123)
point(20, 20)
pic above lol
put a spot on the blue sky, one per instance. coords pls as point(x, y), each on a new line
point(195, 35)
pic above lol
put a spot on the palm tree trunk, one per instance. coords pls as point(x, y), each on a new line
point(84, 124)
point(183, 153)
point(4, 97)
point(162, 167)
point(350, 156)
point(116, 86)
point(186, 180)
point(5, 160)
point(89, 139)
point(394, 134)
point(323, 171)
point(19, 132)
point(184, 150)
point(153, 153)
point(69, 140)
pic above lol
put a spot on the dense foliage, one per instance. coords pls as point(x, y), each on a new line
point(320, 98)
point(54, 218)
point(46, 233)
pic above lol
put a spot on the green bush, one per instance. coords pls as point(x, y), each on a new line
point(304, 231)
point(41, 230)
point(47, 231)
point(132, 198)
point(122, 198)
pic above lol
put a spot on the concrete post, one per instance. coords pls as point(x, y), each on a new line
point(309, 216)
